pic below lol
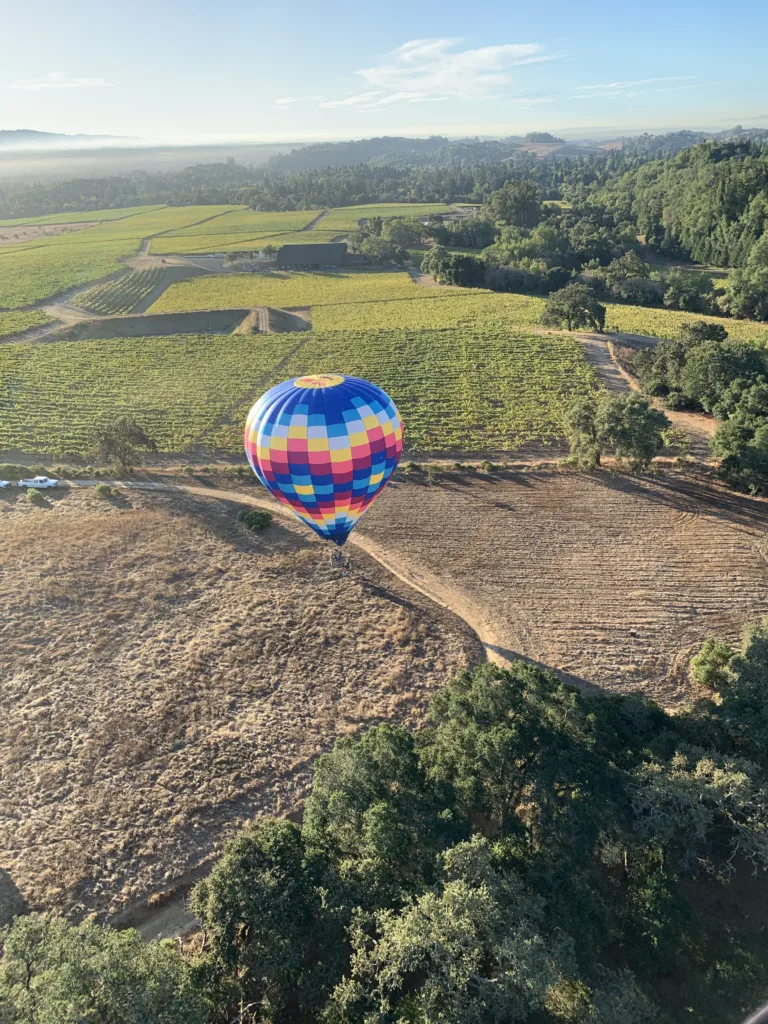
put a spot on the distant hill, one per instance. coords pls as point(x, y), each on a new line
point(393, 151)
point(23, 138)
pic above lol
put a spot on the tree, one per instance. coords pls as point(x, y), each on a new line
point(403, 232)
point(711, 366)
point(436, 261)
point(625, 268)
point(581, 430)
point(119, 441)
point(373, 813)
point(700, 330)
point(270, 251)
point(746, 293)
point(474, 951)
point(686, 289)
point(381, 251)
point(52, 972)
point(710, 666)
point(267, 910)
point(744, 453)
point(633, 428)
point(508, 743)
point(516, 203)
point(743, 707)
point(462, 270)
point(576, 306)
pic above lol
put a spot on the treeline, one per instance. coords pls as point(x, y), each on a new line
point(534, 854)
point(527, 243)
point(703, 370)
point(425, 171)
point(709, 203)
point(305, 189)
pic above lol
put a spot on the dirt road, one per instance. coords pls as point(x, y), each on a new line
point(321, 216)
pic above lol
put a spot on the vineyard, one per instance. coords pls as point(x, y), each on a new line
point(666, 323)
point(115, 297)
point(78, 218)
point(190, 389)
point(233, 230)
point(45, 267)
point(347, 218)
point(21, 320)
point(432, 310)
point(285, 290)
point(470, 389)
point(178, 387)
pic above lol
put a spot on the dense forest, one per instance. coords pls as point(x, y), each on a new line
point(371, 170)
point(533, 854)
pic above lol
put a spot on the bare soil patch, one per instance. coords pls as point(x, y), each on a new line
point(29, 232)
point(166, 675)
point(214, 321)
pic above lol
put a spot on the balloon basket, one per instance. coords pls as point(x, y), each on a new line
point(338, 560)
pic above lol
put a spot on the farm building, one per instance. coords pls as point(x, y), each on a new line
point(314, 257)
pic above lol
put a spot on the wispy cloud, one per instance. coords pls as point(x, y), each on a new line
point(588, 92)
point(351, 101)
point(286, 101)
point(433, 70)
point(58, 80)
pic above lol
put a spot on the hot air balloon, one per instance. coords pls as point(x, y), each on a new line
point(325, 445)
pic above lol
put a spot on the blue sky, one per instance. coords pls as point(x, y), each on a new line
point(177, 71)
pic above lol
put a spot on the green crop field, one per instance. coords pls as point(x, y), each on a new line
point(285, 290)
point(41, 268)
point(472, 388)
point(81, 216)
point(115, 297)
point(21, 320)
point(51, 396)
point(432, 309)
point(665, 323)
point(31, 274)
point(464, 390)
point(294, 238)
point(233, 230)
point(347, 218)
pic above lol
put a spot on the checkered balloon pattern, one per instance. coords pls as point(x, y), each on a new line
point(325, 445)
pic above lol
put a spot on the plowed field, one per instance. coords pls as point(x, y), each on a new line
point(562, 568)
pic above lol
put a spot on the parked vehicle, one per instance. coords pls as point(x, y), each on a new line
point(41, 483)
point(5, 483)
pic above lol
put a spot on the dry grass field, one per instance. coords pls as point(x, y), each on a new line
point(166, 675)
point(563, 568)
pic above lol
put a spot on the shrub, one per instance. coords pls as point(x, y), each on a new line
point(35, 497)
point(710, 665)
point(12, 471)
point(104, 491)
point(255, 519)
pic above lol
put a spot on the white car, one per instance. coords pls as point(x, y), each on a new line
point(4, 483)
point(41, 483)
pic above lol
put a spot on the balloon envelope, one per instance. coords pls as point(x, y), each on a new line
point(325, 445)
